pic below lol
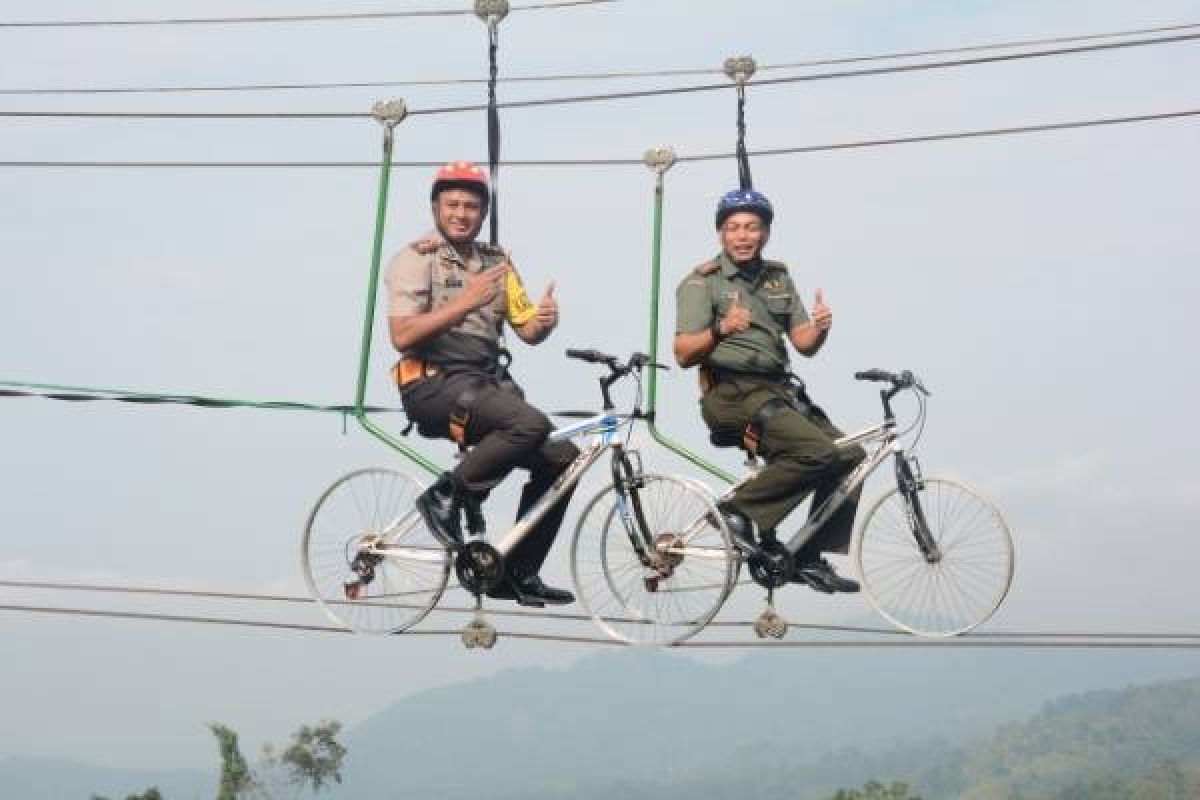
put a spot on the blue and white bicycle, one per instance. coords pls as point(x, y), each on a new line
point(651, 558)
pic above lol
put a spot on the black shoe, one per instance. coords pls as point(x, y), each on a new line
point(819, 575)
point(439, 506)
point(532, 591)
point(741, 527)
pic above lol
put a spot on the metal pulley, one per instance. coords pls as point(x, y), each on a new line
point(740, 68)
point(659, 159)
point(492, 12)
point(389, 113)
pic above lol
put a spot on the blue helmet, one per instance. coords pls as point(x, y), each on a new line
point(744, 200)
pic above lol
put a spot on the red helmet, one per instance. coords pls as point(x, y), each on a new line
point(461, 175)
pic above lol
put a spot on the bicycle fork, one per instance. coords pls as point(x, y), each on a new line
point(910, 482)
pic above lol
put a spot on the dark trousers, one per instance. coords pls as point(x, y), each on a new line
point(800, 456)
point(504, 432)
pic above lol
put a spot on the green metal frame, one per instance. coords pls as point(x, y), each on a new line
point(389, 115)
point(660, 160)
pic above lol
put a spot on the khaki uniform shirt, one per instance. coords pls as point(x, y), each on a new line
point(418, 282)
point(767, 291)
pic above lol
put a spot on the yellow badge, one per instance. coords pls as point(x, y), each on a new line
point(520, 308)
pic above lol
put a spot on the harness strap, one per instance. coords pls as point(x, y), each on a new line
point(753, 432)
point(460, 416)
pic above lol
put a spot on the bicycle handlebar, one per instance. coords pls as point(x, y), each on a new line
point(616, 370)
point(903, 380)
point(636, 360)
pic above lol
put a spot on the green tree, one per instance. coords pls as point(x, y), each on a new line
point(874, 790)
point(236, 778)
point(315, 756)
point(311, 762)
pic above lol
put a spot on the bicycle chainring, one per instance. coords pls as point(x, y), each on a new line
point(479, 567)
point(771, 564)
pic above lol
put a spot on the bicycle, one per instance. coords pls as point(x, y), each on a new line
point(934, 555)
point(374, 567)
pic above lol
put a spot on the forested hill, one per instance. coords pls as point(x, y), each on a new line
point(1139, 743)
point(1095, 736)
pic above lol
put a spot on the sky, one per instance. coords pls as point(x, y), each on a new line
point(1042, 285)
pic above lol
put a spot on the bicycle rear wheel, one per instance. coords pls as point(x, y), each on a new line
point(688, 574)
point(949, 595)
point(368, 559)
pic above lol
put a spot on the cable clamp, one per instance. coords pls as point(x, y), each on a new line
point(740, 68)
point(491, 11)
point(659, 159)
point(389, 113)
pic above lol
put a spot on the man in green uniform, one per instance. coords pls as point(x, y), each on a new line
point(733, 314)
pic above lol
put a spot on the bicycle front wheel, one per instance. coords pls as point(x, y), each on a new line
point(368, 558)
point(956, 591)
point(672, 591)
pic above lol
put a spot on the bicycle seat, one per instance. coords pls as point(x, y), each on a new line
point(726, 437)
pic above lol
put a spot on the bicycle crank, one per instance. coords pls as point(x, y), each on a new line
point(479, 567)
point(771, 564)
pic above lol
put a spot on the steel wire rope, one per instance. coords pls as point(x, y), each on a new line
point(327, 17)
point(570, 617)
point(910, 642)
point(626, 95)
point(628, 162)
point(611, 75)
point(50, 391)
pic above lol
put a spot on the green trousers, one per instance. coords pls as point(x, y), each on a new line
point(800, 456)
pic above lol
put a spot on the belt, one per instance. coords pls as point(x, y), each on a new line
point(411, 369)
point(722, 375)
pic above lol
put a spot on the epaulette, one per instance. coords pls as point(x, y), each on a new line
point(707, 268)
point(779, 265)
point(426, 245)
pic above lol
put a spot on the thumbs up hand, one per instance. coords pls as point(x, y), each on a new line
point(737, 318)
point(822, 317)
point(547, 308)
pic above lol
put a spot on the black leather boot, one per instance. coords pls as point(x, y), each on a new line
point(440, 506)
point(741, 527)
point(531, 590)
point(817, 573)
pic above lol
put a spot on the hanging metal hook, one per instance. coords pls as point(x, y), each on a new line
point(740, 69)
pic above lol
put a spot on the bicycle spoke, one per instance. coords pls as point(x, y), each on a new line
point(952, 593)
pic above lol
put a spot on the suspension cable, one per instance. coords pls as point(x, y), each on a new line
point(739, 70)
point(1000, 636)
point(331, 17)
point(52, 391)
point(590, 76)
point(492, 12)
point(567, 100)
point(630, 162)
point(911, 642)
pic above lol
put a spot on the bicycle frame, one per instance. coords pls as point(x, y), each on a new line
point(885, 435)
point(604, 428)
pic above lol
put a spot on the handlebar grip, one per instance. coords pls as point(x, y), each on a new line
point(873, 375)
point(591, 356)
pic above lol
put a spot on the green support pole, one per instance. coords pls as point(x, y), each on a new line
point(659, 160)
point(389, 114)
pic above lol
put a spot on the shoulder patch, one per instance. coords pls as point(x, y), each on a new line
point(426, 245)
point(707, 268)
